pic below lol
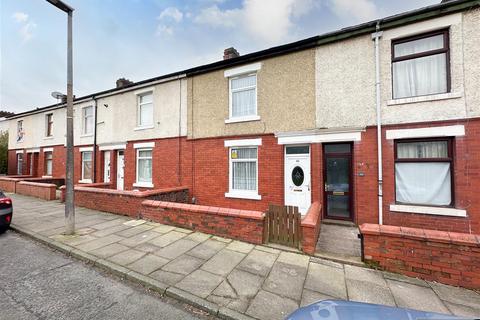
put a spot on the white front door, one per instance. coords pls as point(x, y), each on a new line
point(106, 166)
point(297, 177)
point(120, 169)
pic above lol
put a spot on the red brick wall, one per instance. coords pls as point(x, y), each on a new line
point(12, 163)
point(46, 191)
point(311, 228)
point(8, 184)
point(236, 224)
point(446, 257)
point(466, 182)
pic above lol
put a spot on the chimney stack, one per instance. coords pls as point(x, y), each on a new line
point(122, 82)
point(230, 53)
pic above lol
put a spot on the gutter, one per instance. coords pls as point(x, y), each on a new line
point(376, 36)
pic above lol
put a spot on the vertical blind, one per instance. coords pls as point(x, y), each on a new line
point(244, 96)
point(244, 168)
point(423, 75)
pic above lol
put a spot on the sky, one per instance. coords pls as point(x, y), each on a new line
point(141, 39)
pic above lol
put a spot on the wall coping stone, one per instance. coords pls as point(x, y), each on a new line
point(130, 193)
point(313, 215)
point(38, 184)
point(466, 239)
point(244, 214)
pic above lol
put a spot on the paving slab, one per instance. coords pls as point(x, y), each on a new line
point(245, 285)
point(457, 295)
point(139, 238)
point(110, 250)
point(240, 304)
point(126, 257)
point(327, 280)
point(225, 290)
point(363, 291)
point(411, 296)
point(258, 262)
point(163, 228)
point(148, 264)
point(198, 237)
point(98, 243)
point(108, 224)
point(207, 249)
point(184, 264)
point(300, 260)
point(286, 280)
point(269, 306)
point(267, 249)
point(223, 262)
point(166, 277)
point(200, 283)
point(147, 247)
point(239, 246)
point(309, 297)
point(167, 238)
point(463, 311)
point(187, 231)
point(131, 231)
point(108, 231)
point(134, 223)
point(176, 249)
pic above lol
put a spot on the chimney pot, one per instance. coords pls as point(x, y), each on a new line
point(122, 82)
point(230, 53)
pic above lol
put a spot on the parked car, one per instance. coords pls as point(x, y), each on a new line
point(349, 310)
point(6, 211)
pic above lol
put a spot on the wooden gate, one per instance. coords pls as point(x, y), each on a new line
point(282, 226)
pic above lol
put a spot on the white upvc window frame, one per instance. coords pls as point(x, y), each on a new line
point(47, 127)
point(252, 117)
point(46, 173)
point(20, 163)
point(141, 94)
point(242, 144)
point(86, 118)
point(86, 180)
point(143, 184)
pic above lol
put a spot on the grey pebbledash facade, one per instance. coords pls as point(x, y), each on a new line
point(296, 124)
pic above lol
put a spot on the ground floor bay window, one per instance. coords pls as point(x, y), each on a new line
point(87, 167)
point(423, 172)
point(144, 168)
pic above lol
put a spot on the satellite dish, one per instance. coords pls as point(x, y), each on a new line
point(57, 95)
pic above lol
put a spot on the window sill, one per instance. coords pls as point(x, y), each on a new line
point(86, 135)
point(242, 119)
point(85, 181)
point(143, 185)
point(439, 211)
point(143, 128)
point(47, 176)
point(243, 195)
point(432, 97)
point(48, 138)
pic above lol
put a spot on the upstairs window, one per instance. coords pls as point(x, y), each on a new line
point(48, 163)
point(87, 120)
point(48, 125)
point(87, 166)
point(145, 110)
point(20, 132)
point(423, 172)
point(420, 65)
point(243, 96)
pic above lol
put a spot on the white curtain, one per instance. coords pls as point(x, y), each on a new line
point(49, 167)
point(426, 183)
point(146, 110)
point(145, 166)
point(420, 76)
point(244, 173)
point(87, 165)
point(244, 96)
point(427, 149)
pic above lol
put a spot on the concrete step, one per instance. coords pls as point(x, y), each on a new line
point(339, 222)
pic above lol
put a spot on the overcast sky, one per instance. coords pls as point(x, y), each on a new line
point(140, 39)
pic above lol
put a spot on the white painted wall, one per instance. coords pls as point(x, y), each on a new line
point(115, 123)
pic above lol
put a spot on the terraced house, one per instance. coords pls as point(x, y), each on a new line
point(377, 123)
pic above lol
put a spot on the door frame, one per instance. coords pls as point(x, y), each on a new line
point(109, 152)
point(116, 173)
point(351, 182)
point(308, 156)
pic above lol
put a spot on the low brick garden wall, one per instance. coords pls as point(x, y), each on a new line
point(242, 225)
point(101, 197)
point(447, 257)
point(311, 228)
point(58, 182)
point(45, 191)
point(8, 184)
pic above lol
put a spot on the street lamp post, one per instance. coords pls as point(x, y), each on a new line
point(69, 199)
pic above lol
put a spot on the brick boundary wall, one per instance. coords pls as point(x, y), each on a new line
point(237, 224)
point(45, 191)
point(311, 228)
point(447, 257)
point(58, 182)
point(124, 202)
point(8, 184)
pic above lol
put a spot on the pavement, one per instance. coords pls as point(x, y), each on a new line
point(38, 283)
point(228, 278)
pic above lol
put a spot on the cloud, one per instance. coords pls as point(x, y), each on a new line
point(26, 25)
point(267, 21)
point(164, 30)
point(359, 10)
point(171, 13)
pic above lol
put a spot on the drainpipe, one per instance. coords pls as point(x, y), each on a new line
point(94, 141)
point(376, 36)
